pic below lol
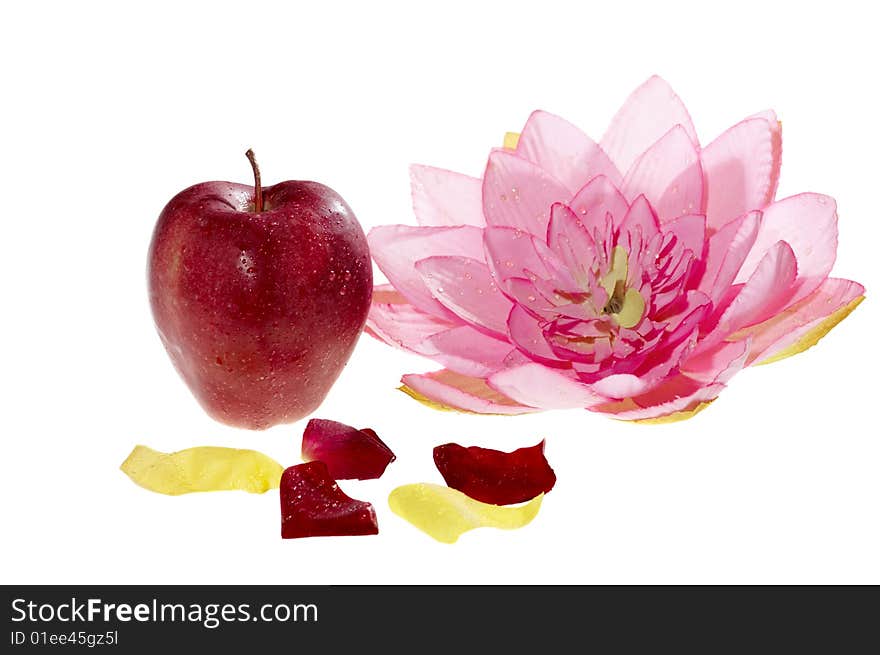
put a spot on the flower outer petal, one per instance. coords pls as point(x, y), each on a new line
point(468, 351)
point(564, 151)
point(717, 364)
point(808, 223)
point(725, 253)
point(442, 197)
point(776, 128)
point(596, 200)
point(800, 326)
point(813, 337)
point(543, 387)
point(396, 249)
point(765, 293)
point(646, 115)
point(466, 287)
point(669, 175)
point(395, 321)
point(518, 193)
point(527, 334)
point(675, 417)
point(451, 391)
point(676, 408)
point(740, 169)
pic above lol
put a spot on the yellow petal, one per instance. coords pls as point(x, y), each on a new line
point(619, 270)
point(812, 337)
point(633, 309)
point(445, 514)
point(205, 468)
point(511, 139)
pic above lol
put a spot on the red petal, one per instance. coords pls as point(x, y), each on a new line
point(349, 453)
point(493, 476)
point(313, 505)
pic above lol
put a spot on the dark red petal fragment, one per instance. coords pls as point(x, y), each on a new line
point(493, 476)
point(313, 505)
point(348, 452)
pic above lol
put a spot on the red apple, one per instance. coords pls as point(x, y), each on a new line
point(259, 295)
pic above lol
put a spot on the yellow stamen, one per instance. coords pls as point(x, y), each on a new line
point(618, 271)
point(632, 310)
point(511, 139)
point(625, 305)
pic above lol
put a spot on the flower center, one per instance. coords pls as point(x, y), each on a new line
point(626, 305)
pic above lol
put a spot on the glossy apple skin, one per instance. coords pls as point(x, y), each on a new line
point(259, 312)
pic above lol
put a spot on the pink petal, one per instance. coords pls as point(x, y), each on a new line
point(569, 239)
point(776, 130)
point(650, 112)
point(466, 287)
point(524, 293)
point(641, 217)
point(766, 292)
point(442, 197)
point(808, 223)
point(396, 249)
point(681, 333)
point(717, 364)
point(690, 231)
point(598, 199)
point(677, 394)
point(620, 385)
point(741, 171)
point(396, 322)
point(510, 252)
point(669, 175)
point(539, 386)
point(518, 193)
point(468, 351)
point(727, 250)
point(564, 151)
point(455, 391)
point(789, 327)
point(526, 333)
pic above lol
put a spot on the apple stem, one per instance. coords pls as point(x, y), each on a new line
point(258, 188)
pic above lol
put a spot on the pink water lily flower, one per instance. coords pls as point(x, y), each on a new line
point(633, 277)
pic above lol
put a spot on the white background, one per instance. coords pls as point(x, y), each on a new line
point(108, 111)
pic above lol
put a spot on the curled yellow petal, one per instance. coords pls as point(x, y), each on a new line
point(511, 140)
point(445, 514)
point(205, 468)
